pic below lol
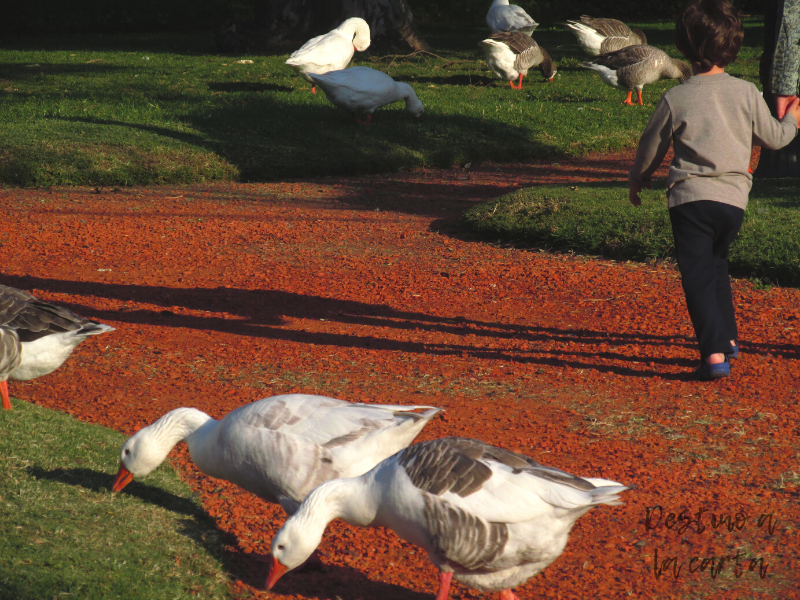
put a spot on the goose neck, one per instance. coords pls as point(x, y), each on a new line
point(178, 424)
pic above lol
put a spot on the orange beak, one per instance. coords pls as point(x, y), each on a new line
point(124, 477)
point(275, 573)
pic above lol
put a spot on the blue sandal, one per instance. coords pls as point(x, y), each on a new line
point(707, 372)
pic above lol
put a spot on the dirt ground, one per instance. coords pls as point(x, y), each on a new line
point(355, 288)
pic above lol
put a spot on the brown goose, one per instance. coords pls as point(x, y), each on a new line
point(598, 36)
point(510, 55)
point(45, 336)
point(489, 518)
point(636, 66)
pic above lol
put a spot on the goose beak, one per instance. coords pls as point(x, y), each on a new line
point(275, 573)
point(124, 477)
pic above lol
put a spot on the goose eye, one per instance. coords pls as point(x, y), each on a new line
point(280, 546)
point(127, 452)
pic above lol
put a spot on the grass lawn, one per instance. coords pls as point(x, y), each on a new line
point(598, 219)
point(165, 108)
point(64, 534)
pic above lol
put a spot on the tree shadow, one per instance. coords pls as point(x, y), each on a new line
point(263, 312)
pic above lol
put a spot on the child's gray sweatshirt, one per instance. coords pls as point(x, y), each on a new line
point(713, 120)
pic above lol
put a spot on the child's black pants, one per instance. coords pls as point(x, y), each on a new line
point(704, 231)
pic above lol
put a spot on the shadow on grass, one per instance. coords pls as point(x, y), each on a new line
point(189, 43)
point(19, 72)
point(276, 138)
point(101, 483)
point(263, 312)
point(247, 86)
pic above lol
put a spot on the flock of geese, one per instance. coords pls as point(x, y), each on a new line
point(621, 57)
point(488, 517)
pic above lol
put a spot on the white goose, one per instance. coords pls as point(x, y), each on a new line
point(510, 55)
point(360, 90)
point(486, 516)
point(37, 337)
point(278, 448)
point(597, 36)
point(503, 16)
point(634, 67)
point(331, 51)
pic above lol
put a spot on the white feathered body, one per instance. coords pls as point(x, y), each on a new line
point(492, 517)
point(509, 55)
point(331, 51)
point(503, 16)
point(360, 90)
point(280, 448)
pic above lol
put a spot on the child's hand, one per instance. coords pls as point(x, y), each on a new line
point(794, 109)
point(633, 193)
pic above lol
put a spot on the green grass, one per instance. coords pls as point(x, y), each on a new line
point(65, 535)
point(164, 108)
point(598, 219)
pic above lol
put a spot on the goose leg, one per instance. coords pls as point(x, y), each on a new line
point(444, 585)
point(628, 99)
point(313, 89)
point(639, 93)
point(4, 393)
point(366, 122)
point(516, 87)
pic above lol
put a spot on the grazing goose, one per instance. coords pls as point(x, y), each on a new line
point(331, 51)
point(510, 55)
point(37, 336)
point(360, 90)
point(486, 516)
point(503, 16)
point(278, 448)
point(635, 66)
point(598, 36)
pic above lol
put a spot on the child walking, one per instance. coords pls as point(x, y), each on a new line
point(712, 120)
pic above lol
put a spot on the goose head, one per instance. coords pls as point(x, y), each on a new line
point(358, 30)
point(145, 450)
point(414, 105)
point(292, 546)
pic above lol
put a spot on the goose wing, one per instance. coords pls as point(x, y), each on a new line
point(527, 51)
point(607, 27)
point(33, 318)
point(628, 57)
point(295, 442)
point(490, 483)
point(473, 493)
point(10, 352)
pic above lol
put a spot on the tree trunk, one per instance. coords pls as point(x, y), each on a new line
point(784, 162)
point(288, 24)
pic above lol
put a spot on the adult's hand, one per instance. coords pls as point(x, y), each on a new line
point(782, 103)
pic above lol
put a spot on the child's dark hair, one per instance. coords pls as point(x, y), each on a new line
point(709, 33)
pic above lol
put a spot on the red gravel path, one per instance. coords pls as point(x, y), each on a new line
point(224, 294)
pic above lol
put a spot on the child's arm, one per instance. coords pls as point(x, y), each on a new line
point(653, 146)
point(768, 132)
